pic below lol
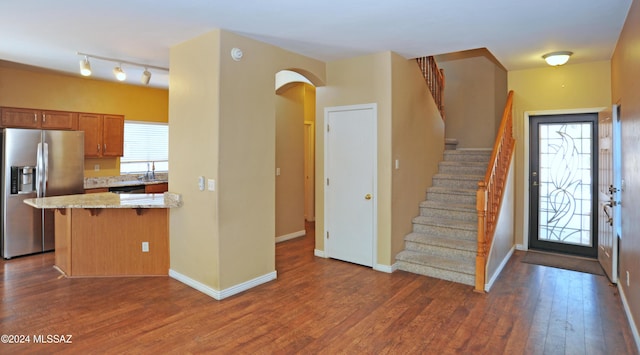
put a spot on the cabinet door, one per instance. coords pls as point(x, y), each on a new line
point(156, 188)
point(113, 136)
point(96, 190)
point(92, 126)
point(59, 120)
point(20, 117)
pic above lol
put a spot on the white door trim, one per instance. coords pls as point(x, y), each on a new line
point(525, 166)
point(327, 110)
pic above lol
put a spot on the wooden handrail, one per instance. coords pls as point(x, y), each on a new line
point(490, 190)
point(434, 77)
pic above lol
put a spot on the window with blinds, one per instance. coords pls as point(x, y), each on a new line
point(145, 143)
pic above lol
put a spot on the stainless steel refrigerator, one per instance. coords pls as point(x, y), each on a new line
point(36, 163)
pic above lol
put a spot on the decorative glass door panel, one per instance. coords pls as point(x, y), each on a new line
point(562, 186)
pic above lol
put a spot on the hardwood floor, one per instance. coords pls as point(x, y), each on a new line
point(316, 306)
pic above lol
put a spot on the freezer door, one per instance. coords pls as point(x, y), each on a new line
point(21, 224)
point(64, 168)
point(63, 165)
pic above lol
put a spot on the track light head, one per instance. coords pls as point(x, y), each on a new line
point(119, 73)
point(85, 67)
point(146, 76)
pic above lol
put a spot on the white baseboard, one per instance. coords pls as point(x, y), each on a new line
point(487, 286)
point(632, 323)
point(228, 292)
point(319, 253)
point(289, 236)
point(520, 247)
point(386, 268)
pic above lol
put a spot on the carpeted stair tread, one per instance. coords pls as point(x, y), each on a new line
point(452, 191)
point(444, 242)
point(443, 222)
point(459, 177)
point(461, 266)
point(448, 206)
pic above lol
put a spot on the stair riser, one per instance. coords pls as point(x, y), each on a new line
point(439, 250)
point(445, 231)
point(450, 214)
point(452, 198)
point(455, 183)
point(461, 169)
point(465, 279)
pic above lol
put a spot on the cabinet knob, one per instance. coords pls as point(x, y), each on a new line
point(98, 148)
point(44, 117)
point(35, 117)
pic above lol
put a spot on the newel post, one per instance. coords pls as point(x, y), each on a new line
point(481, 255)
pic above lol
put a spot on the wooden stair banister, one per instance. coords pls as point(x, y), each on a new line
point(434, 77)
point(489, 194)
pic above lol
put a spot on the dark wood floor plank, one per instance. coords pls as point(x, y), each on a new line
point(316, 305)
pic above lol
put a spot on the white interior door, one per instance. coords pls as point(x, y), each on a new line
point(350, 183)
point(608, 189)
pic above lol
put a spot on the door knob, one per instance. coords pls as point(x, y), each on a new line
point(367, 197)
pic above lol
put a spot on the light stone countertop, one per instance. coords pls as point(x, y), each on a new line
point(108, 200)
point(123, 180)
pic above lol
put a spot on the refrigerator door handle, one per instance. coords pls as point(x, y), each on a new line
point(39, 170)
point(45, 162)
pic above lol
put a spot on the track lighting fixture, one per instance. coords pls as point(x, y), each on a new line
point(146, 76)
point(119, 73)
point(85, 67)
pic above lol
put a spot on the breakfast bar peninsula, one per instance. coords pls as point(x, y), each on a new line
point(109, 234)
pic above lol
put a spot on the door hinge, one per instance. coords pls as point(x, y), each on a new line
point(327, 234)
point(328, 129)
point(327, 181)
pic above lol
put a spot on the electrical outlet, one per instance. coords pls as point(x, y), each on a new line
point(145, 247)
point(211, 185)
point(96, 167)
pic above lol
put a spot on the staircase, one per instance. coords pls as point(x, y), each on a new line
point(443, 243)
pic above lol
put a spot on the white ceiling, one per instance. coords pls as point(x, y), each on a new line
point(48, 33)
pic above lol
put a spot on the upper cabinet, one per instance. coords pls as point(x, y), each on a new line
point(103, 135)
point(45, 119)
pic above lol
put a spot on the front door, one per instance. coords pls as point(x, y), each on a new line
point(350, 184)
point(609, 189)
point(563, 185)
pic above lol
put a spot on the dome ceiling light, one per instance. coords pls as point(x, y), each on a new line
point(557, 58)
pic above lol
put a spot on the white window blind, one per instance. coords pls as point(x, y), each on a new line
point(145, 143)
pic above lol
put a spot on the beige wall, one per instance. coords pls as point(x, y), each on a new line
point(29, 87)
point(354, 81)
point(409, 129)
point(290, 117)
point(625, 68)
point(568, 87)
point(503, 238)
point(222, 118)
point(418, 144)
point(474, 97)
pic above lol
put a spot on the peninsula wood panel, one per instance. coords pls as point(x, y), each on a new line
point(63, 239)
point(109, 243)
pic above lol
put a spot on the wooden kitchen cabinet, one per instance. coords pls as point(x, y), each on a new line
point(103, 135)
point(156, 188)
point(33, 118)
point(96, 190)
